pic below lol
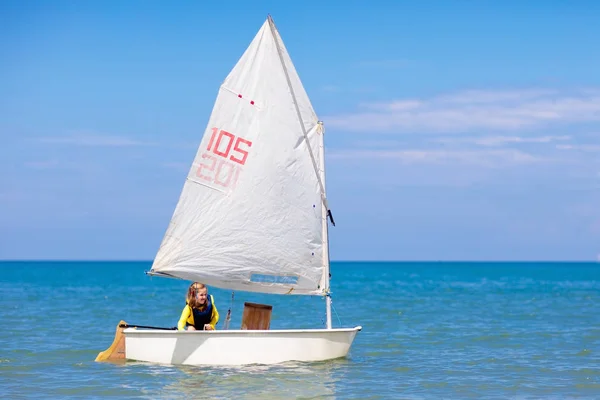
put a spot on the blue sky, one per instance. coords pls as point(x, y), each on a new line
point(455, 130)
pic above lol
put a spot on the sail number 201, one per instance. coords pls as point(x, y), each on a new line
point(224, 156)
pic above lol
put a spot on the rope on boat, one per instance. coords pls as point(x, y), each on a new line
point(228, 319)
point(174, 328)
point(334, 310)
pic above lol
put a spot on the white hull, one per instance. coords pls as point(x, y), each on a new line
point(237, 347)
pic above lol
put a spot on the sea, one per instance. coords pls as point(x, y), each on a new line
point(430, 330)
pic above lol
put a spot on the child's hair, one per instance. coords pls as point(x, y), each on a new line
point(191, 295)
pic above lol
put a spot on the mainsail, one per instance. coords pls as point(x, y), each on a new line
point(252, 212)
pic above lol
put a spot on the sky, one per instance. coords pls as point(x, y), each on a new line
point(454, 130)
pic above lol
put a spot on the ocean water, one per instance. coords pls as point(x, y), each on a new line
point(430, 331)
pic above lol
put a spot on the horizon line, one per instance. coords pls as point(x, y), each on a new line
point(99, 260)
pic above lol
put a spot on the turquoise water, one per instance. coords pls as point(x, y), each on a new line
point(430, 330)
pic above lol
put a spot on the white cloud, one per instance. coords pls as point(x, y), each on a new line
point(580, 147)
point(495, 141)
point(473, 110)
point(397, 105)
point(488, 158)
point(494, 96)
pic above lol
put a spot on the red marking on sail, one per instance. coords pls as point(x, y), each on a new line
point(251, 101)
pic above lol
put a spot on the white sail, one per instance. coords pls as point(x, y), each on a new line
point(250, 215)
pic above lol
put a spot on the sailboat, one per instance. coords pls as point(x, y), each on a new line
point(252, 216)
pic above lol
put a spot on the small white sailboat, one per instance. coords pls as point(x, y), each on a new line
point(252, 216)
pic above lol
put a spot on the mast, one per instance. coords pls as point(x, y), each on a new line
point(326, 260)
point(319, 170)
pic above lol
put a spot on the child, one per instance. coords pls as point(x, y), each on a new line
point(200, 312)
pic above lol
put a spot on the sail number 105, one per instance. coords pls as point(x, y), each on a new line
point(223, 159)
